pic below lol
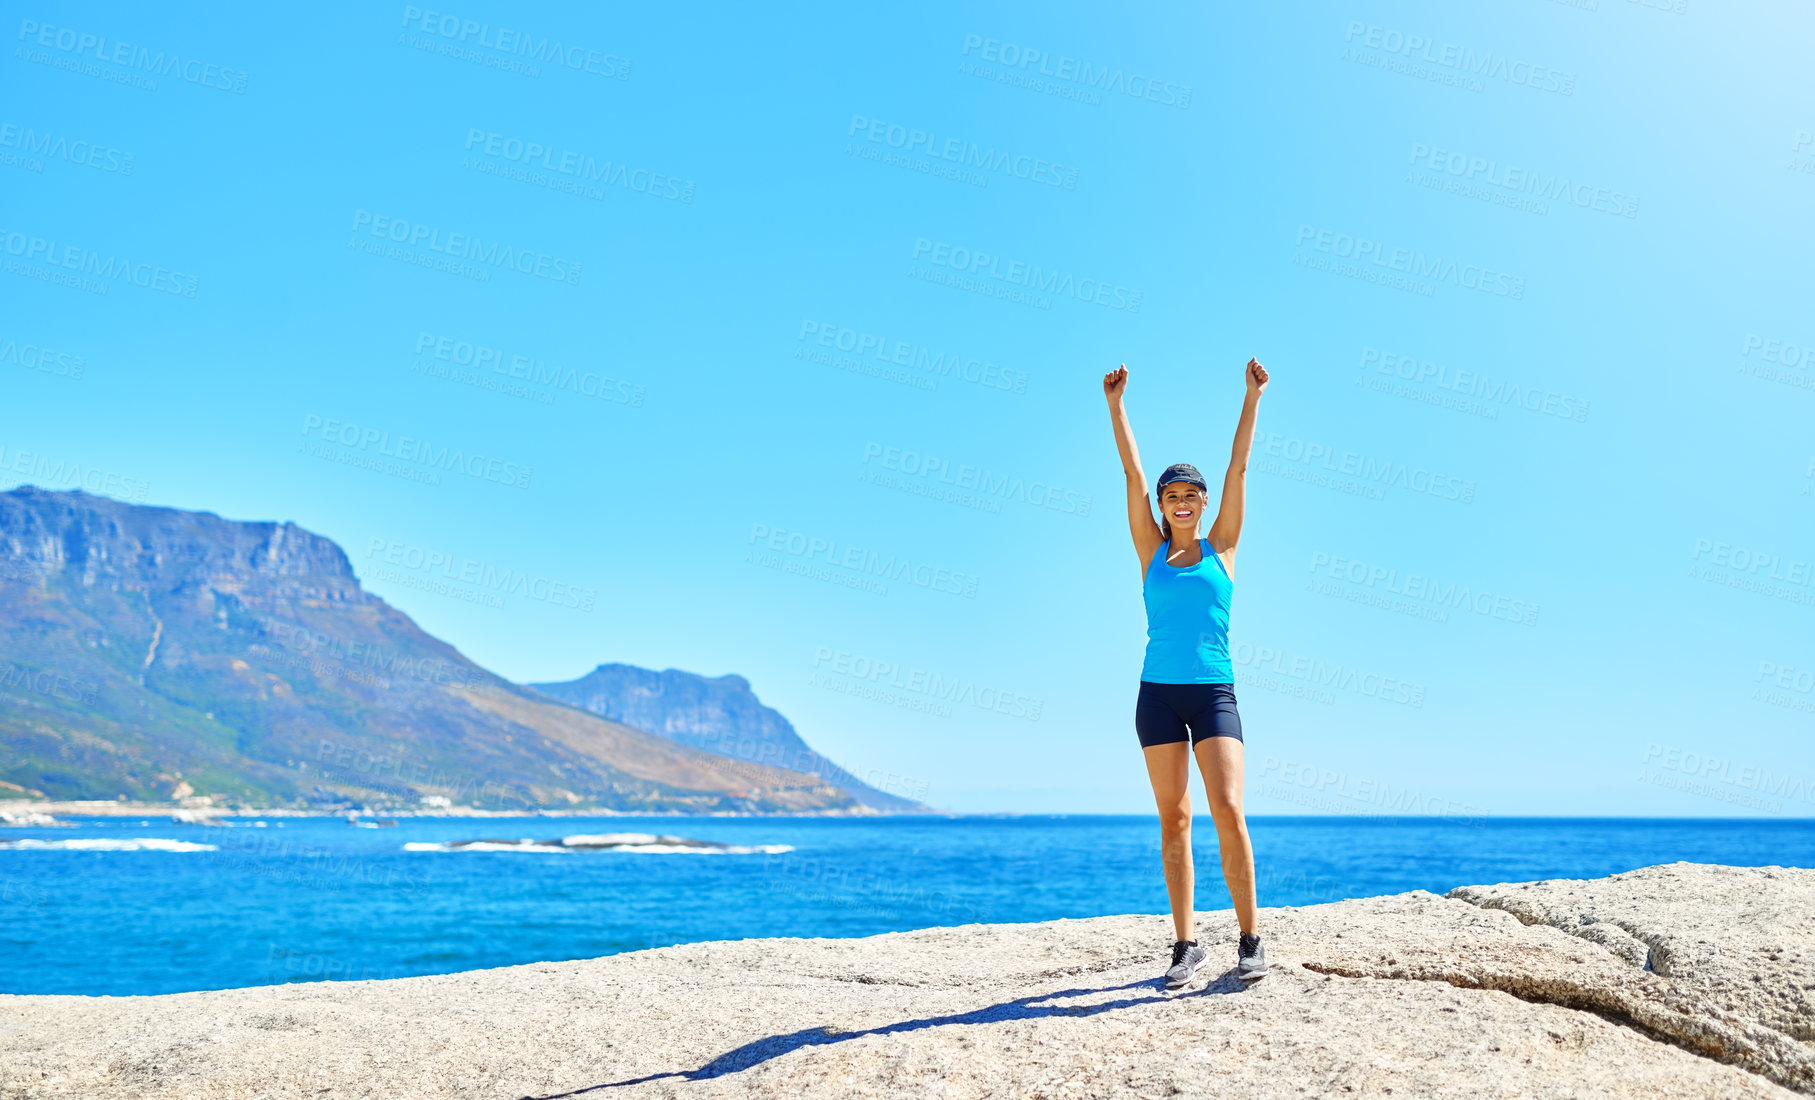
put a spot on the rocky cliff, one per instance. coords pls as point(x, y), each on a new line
point(153, 653)
point(718, 714)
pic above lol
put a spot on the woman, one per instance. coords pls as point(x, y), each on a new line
point(1187, 691)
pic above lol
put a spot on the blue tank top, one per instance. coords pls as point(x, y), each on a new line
point(1187, 620)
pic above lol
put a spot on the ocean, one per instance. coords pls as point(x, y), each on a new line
point(124, 906)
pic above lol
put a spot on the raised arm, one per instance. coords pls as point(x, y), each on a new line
point(1227, 530)
point(1141, 524)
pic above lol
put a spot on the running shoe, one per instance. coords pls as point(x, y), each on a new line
point(1250, 959)
point(1187, 956)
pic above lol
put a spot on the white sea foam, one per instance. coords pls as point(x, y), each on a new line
point(688, 849)
point(99, 844)
point(603, 840)
point(641, 843)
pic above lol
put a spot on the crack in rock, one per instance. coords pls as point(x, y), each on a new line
point(1699, 1029)
point(1626, 942)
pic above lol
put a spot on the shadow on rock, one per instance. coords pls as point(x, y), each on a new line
point(1021, 1008)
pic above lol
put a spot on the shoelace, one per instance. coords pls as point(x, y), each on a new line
point(1178, 952)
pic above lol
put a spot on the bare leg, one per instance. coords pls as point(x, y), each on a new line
point(1220, 760)
point(1169, 769)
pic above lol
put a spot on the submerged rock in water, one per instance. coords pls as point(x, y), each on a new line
point(635, 840)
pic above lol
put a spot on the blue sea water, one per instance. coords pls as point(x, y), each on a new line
point(307, 899)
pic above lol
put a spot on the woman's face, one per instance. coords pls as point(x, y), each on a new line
point(1182, 504)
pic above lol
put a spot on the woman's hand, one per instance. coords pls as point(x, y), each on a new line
point(1114, 383)
point(1257, 378)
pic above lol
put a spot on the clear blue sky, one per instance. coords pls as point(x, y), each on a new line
point(1532, 280)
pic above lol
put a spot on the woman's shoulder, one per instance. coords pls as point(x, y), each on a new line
point(1210, 551)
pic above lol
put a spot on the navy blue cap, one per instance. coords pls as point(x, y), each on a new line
point(1181, 471)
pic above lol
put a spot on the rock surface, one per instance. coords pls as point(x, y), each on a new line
point(1493, 991)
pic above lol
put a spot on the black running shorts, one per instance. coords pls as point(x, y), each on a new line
point(1165, 714)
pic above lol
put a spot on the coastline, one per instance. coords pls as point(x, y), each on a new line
point(198, 814)
point(1680, 979)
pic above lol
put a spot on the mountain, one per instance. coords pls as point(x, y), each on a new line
point(152, 653)
point(721, 715)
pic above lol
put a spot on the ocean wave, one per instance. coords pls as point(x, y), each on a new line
point(641, 843)
point(100, 844)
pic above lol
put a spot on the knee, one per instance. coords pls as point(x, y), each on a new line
point(1175, 823)
point(1225, 806)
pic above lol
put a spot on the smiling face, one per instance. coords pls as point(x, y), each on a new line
point(1182, 505)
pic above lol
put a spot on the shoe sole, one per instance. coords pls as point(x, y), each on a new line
point(1252, 975)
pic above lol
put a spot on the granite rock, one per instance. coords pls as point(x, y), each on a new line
point(1407, 995)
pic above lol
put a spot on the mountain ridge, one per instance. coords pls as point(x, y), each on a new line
point(719, 714)
point(144, 650)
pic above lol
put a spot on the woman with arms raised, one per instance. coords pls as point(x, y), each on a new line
point(1186, 704)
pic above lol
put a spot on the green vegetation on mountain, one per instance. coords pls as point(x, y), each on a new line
point(151, 653)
